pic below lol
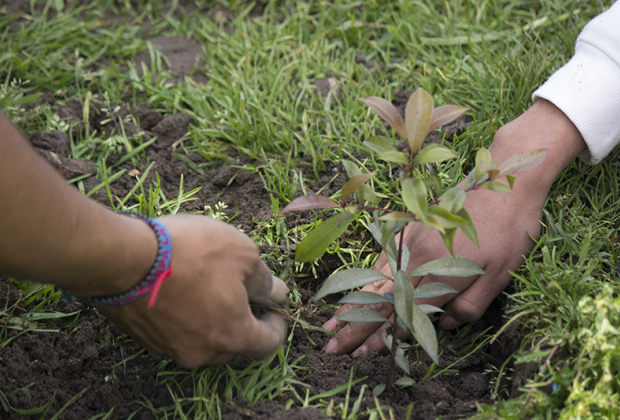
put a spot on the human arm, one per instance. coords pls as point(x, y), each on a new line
point(577, 107)
point(52, 233)
point(504, 223)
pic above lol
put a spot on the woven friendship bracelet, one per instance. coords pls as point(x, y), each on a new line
point(160, 272)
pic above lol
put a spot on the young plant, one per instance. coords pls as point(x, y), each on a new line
point(446, 213)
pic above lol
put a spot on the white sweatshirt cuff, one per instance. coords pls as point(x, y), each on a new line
point(587, 90)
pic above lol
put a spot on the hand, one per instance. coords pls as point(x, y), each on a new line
point(504, 223)
point(202, 313)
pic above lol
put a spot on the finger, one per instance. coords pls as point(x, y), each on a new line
point(355, 333)
point(279, 291)
point(266, 335)
point(260, 286)
point(471, 304)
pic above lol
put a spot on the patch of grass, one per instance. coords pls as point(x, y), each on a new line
point(260, 100)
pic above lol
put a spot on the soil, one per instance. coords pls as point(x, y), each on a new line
point(95, 359)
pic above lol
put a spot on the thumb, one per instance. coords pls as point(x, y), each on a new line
point(264, 288)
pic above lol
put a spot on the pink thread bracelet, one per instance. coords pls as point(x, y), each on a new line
point(160, 272)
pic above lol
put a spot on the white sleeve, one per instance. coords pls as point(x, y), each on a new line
point(587, 88)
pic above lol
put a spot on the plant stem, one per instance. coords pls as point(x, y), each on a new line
point(392, 366)
point(395, 324)
point(400, 250)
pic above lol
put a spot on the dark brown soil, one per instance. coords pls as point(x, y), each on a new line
point(89, 357)
point(96, 359)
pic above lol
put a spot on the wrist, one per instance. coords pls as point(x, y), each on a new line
point(542, 126)
point(126, 253)
point(157, 275)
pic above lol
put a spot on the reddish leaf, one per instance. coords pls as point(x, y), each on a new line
point(522, 162)
point(418, 117)
point(388, 112)
point(445, 114)
point(309, 202)
point(354, 183)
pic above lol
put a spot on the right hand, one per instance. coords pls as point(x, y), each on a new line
point(202, 314)
point(504, 223)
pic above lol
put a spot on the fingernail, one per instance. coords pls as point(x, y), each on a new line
point(330, 325)
point(331, 346)
point(362, 350)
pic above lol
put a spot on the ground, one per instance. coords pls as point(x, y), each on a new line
point(255, 137)
point(108, 371)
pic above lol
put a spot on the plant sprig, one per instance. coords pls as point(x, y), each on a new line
point(446, 213)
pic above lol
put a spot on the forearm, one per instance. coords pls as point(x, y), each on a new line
point(52, 233)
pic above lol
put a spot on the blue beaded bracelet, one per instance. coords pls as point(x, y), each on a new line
point(160, 272)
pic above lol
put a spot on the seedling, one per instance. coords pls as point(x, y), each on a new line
point(445, 213)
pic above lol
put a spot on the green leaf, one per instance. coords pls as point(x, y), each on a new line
point(433, 155)
point(471, 180)
point(379, 145)
point(362, 315)
point(363, 298)
point(388, 112)
point(511, 181)
point(431, 290)
point(394, 156)
point(497, 186)
point(453, 200)
point(404, 382)
point(468, 227)
point(424, 332)
point(404, 296)
point(402, 361)
point(351, 168)
point(447, 219)
point(365, 193)
point(354, 183)
point(376, 231)
point(378, 390)
point(414, 197)
point(435, 182)
point(482, 157)
point(387, 340)
point(314, 244)
point(397, 216)
point(449, 267)
point(418, 117)
point(347, 280)
point(388, 229)
point(429, 309)
point(448, 239)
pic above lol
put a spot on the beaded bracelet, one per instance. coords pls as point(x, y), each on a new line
point(160, 272)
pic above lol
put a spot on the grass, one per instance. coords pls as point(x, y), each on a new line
point(259, 100)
